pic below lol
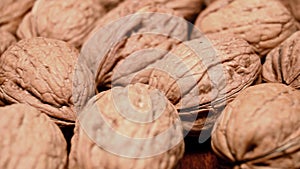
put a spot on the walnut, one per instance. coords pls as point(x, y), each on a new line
point(68, 20)
point(7, 39)
point(138, 125)
point(39, 71)
point(282, 63)
point(260, 128)
point(187, 9)
point(12, 12)
point(187, 79)
point(30, 140)
point(263, 24)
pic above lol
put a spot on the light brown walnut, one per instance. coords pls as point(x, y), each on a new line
point(7, 39)
point(282, 64)
point(196, 83)
point(68, 20)
point(39, 71)
point(30, 140)
point(160, 126)
point(260, 128)
point(263, 24)
point(12, 13)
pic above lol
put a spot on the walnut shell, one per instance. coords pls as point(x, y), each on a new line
point(122, 118)
point(68, 20)
point(7, 39)
point(30, 140)
point(260, 128)
point(189, 82)
point(187, 9)
point(12, 12)
point(263, 24)
point(282, 64)
point(39, 71)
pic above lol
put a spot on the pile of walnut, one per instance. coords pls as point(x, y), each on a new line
point(132, 108)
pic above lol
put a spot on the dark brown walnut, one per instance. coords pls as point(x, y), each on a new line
point(12, 12)
point(7, 39)
point(263, 24)
point(39, 71)
point(69, 20)
point(160, 126)
point(282, 64)
point(197, 76)
point(260, 128)
point(30, 140)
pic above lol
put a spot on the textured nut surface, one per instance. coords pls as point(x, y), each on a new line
point(30, 140)
point(260, 128)
point(263, 24)
point(7, 39)
point(187, 9)
point(186, 76)
point(12, 12)
point(283, 63)
point(142, 101)
point(69, 20)
point(39, 72)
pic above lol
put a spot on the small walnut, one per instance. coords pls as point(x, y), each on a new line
point(263, 24)
point(282, 64)
point(39, 71)
point(7, 39)
point(68, 20)
point(12, 12)
point(260, 128)
point(134, 127)
point(30, 140)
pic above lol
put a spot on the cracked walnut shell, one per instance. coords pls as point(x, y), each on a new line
point(132, 127)
point(260, 128)
point(39, 71)
point(282, 64)
point(30, 140)
point(263, 24)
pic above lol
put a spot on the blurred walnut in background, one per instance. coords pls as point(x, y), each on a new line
point(12, 12)
point(6, 40)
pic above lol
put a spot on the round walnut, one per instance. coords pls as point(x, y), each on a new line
point(39, 71)
point(197, 76)
point(282, 64)
point(260, 128)
point(68, 20)
point(30, 140)
point(12, 12)
point(7, 39)
point(133, 127)
point(263, 24)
